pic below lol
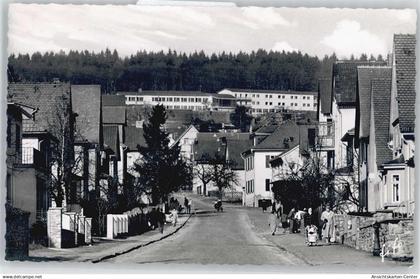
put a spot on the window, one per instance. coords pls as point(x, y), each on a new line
point(296, 104)
point(266, 96)
point(170, 99)
point(283, 96)
point(176, 99)
point(304, 97)
point(308, 105)
point(278, 104)
point(271, 103)
point(291, 97)
point(246, 95)
point(258, 102)
point(395, 188)
point(304, 105)
point(291, 104)
point(253, 95)
point(283, 104)
point(267, 185)
point(258, 95)
point(271, 96)
point(266, 103)
point(192, 100)
point(278, 96)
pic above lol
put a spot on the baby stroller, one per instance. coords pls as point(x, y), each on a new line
point(311, 235)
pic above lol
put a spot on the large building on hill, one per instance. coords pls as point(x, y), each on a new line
point(263, 101)
point(186, 100)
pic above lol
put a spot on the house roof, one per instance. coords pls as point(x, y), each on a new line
point(212, 144)
point(381, 106)
point(114, 115)
point(86, 102)
point(111, 138)
point(289, 92)
point(405, 68)
point(268, 129)
point(345, 80)
point(191, 127)
point(48, 98)
point(165, 93)
point(133, 137)
point(284, 137)
point(325, 95)
point(365, 74)
point(113, 100)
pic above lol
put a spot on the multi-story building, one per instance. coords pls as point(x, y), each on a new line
point(369, 93)
point(263, 101)
point(397, 181)
point(185, 100)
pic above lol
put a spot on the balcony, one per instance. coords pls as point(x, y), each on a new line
point(27, 157)
point(325, 135)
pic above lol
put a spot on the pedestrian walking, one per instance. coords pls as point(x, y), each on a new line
point(327, 227)
point(174, 216)
point(189, 206)
point(186, 204)
point(161, 219)
point(291, 219)
point(274, 222)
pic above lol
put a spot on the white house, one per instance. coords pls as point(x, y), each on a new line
point(258, 172)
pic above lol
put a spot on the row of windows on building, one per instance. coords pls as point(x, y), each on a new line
point(168, 99)
point(250, 186)
point(249, 163)
point(278, 104)
point(269, 96)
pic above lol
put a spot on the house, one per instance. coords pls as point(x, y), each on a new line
point(226, 147)
point(368, 96)
point(41, 139)
point(258, 173)
point(263, 101)
point(398, 174)
point(337, 109)
point(88, 144)
point(186, 142)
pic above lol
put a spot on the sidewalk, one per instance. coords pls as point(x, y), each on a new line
point(103, 248)
point(325, 255)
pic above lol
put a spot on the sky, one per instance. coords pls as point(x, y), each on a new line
point(213, 29)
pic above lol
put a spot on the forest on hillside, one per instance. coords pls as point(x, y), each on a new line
point(172, 70)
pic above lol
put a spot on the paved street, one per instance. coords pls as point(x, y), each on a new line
point(212, 238)
point(241, 236)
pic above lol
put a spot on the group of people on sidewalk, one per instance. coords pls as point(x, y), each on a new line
point(297, 220)
point(157, 217)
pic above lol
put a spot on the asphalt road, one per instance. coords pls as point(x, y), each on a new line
point(212, 238)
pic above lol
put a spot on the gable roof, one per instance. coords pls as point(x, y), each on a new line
point(86, 102)
point(284, 137)
point(381, 110)
point(113, 115)
point(48, 98)
point(325, 95)
point(345, 80)
point(133, 137)
point(191, 127)
point(113, 100)
point(405, 68)
point(365, 75)
point(215, 144)
point(268, 129)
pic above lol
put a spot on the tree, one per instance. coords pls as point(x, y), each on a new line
point(63, 164)
point(222, 174)
point(240, 118)
point(162, 170)
point(203, 173)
